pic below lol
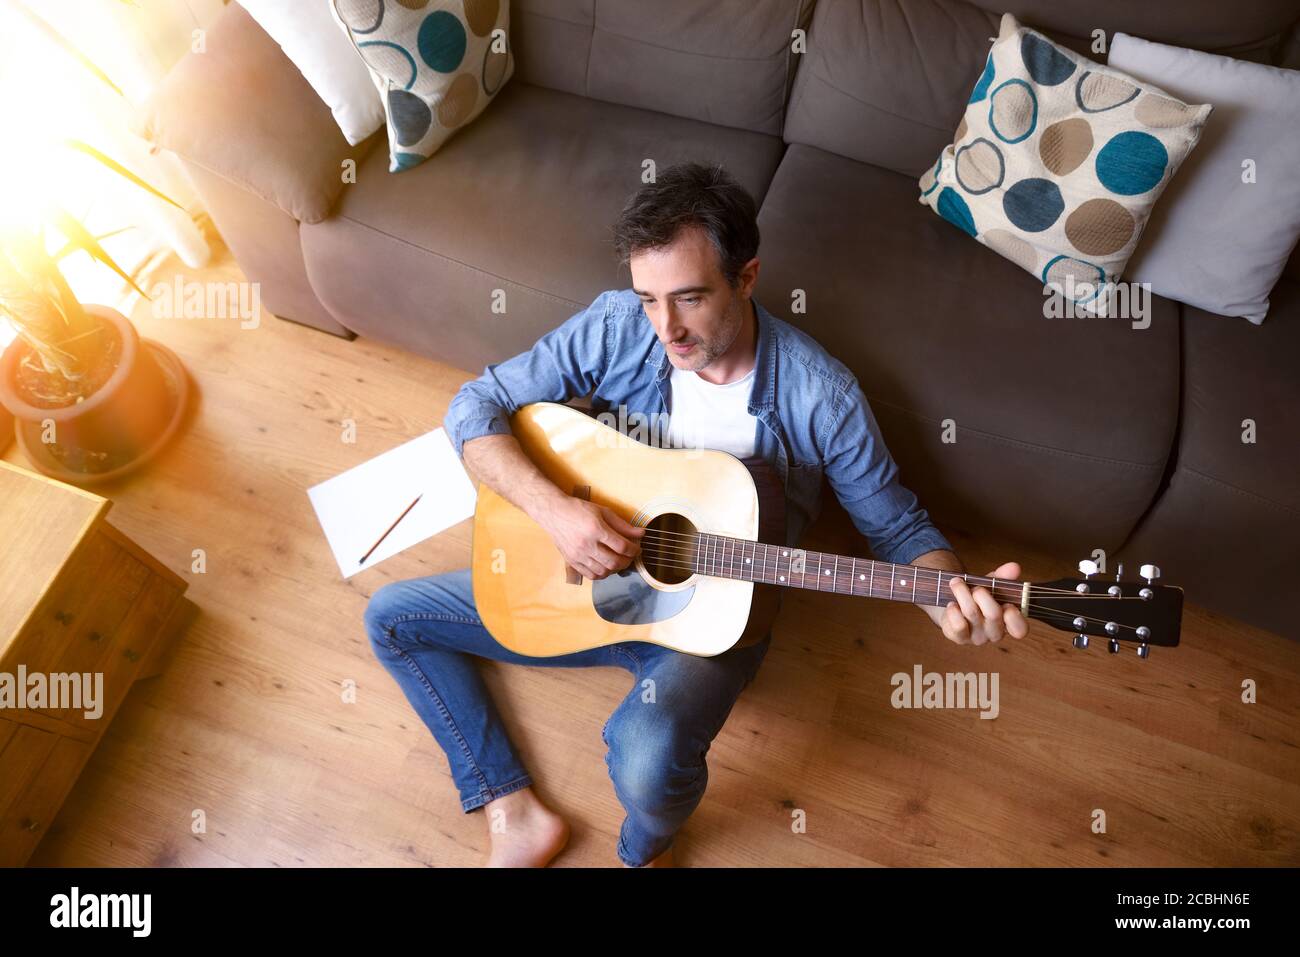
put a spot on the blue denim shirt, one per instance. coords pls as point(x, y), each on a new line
point(813, 419)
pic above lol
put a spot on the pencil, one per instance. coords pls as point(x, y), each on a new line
point(390, 528)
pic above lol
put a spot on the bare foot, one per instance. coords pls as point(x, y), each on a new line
point(663, 860)
point(524, 832)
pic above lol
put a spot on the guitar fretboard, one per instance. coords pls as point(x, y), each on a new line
point(720, 556)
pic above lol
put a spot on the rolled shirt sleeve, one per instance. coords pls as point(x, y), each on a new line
point(864, 478)
point(566, 362)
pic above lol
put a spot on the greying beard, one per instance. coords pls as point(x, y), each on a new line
point(712, 350)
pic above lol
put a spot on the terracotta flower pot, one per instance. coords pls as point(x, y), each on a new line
point(113, 430)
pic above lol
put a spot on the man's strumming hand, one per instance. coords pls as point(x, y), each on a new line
point(593, 539)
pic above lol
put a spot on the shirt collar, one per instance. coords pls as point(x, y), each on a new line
point(763, 393)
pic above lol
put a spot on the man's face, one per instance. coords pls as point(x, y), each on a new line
point(694, 311)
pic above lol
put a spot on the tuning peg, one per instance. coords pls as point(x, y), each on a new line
point(1144, 650)
point(1080, 641)
point(1112, 645)
point(1150, 573)
point(1087, 568)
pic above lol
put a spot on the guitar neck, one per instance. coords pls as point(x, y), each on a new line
point(720, 556)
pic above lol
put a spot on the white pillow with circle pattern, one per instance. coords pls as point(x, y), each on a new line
point(1058, 161)
point(437, 64)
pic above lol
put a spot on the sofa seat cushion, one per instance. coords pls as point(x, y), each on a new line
point(1062, 425)
point(1227, 526)
point(1234, 375)
point(514, 213)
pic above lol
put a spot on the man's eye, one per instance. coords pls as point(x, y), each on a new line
point(689, 300)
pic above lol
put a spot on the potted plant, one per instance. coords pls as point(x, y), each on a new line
point(91, 400)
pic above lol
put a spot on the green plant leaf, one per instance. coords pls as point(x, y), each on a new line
point(69, 248)
point(80, 237)
point(63, 44)
point(119, 169)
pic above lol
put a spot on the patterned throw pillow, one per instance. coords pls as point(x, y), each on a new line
point(437, 64)
point(1058, 161)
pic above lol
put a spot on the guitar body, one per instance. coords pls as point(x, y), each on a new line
point(534, 604)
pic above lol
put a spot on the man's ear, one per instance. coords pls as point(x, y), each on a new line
point(748, 277)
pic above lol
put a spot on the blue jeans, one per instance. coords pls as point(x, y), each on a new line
point(426, 632)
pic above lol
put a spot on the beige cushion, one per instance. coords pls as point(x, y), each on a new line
point(288, 150)
point(1058, 162)
point(437, 65)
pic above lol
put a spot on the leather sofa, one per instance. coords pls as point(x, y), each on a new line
point(1071, 434)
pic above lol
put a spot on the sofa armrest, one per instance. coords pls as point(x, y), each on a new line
point(242, 111)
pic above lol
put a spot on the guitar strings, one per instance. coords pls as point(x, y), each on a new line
point(670, 539)
point(1012, 594)
point(667, 537)
point(1057, 613)
point(1046, 612)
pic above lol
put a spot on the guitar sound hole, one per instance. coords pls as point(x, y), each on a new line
point(668, 548)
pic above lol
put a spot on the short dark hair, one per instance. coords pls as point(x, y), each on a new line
point(691, 194)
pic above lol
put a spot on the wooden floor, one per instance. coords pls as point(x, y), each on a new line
point(248, 724)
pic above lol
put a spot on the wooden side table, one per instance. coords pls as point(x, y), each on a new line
point(77, 597)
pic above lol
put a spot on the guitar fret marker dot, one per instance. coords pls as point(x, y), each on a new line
point(862, 578)
point(782, 577)
point(903, 582)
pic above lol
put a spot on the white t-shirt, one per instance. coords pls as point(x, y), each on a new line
point(709, 416)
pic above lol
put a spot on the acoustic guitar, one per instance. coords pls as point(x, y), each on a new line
point(709, 574)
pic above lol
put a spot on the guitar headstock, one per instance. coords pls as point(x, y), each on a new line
point(1138, 612)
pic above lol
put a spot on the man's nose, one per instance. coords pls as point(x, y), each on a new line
point(667, 327)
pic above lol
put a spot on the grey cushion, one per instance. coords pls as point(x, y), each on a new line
point(727, 62)
point(1215, 241)
point(522, 201)
point(1226, 528)
point(1063, 425)
point(886, 81)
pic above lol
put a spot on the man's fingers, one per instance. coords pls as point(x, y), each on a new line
point(955, 626)
point(611, 535)
point(990, 612)
point(1017, 627)
point(610, 559)
point(964, 599)
point(1007, 570)
point(620, 524)
point(615, 542)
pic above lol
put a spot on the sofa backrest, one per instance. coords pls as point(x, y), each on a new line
point(886, 81)
point(728, 62)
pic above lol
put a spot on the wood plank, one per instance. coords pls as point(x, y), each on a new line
point(45, 522)
point(247, 721)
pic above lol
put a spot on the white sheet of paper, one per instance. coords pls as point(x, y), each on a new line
point(355, 507)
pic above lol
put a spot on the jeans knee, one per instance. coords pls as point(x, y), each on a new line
point(657, 768)
point(381, 611)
